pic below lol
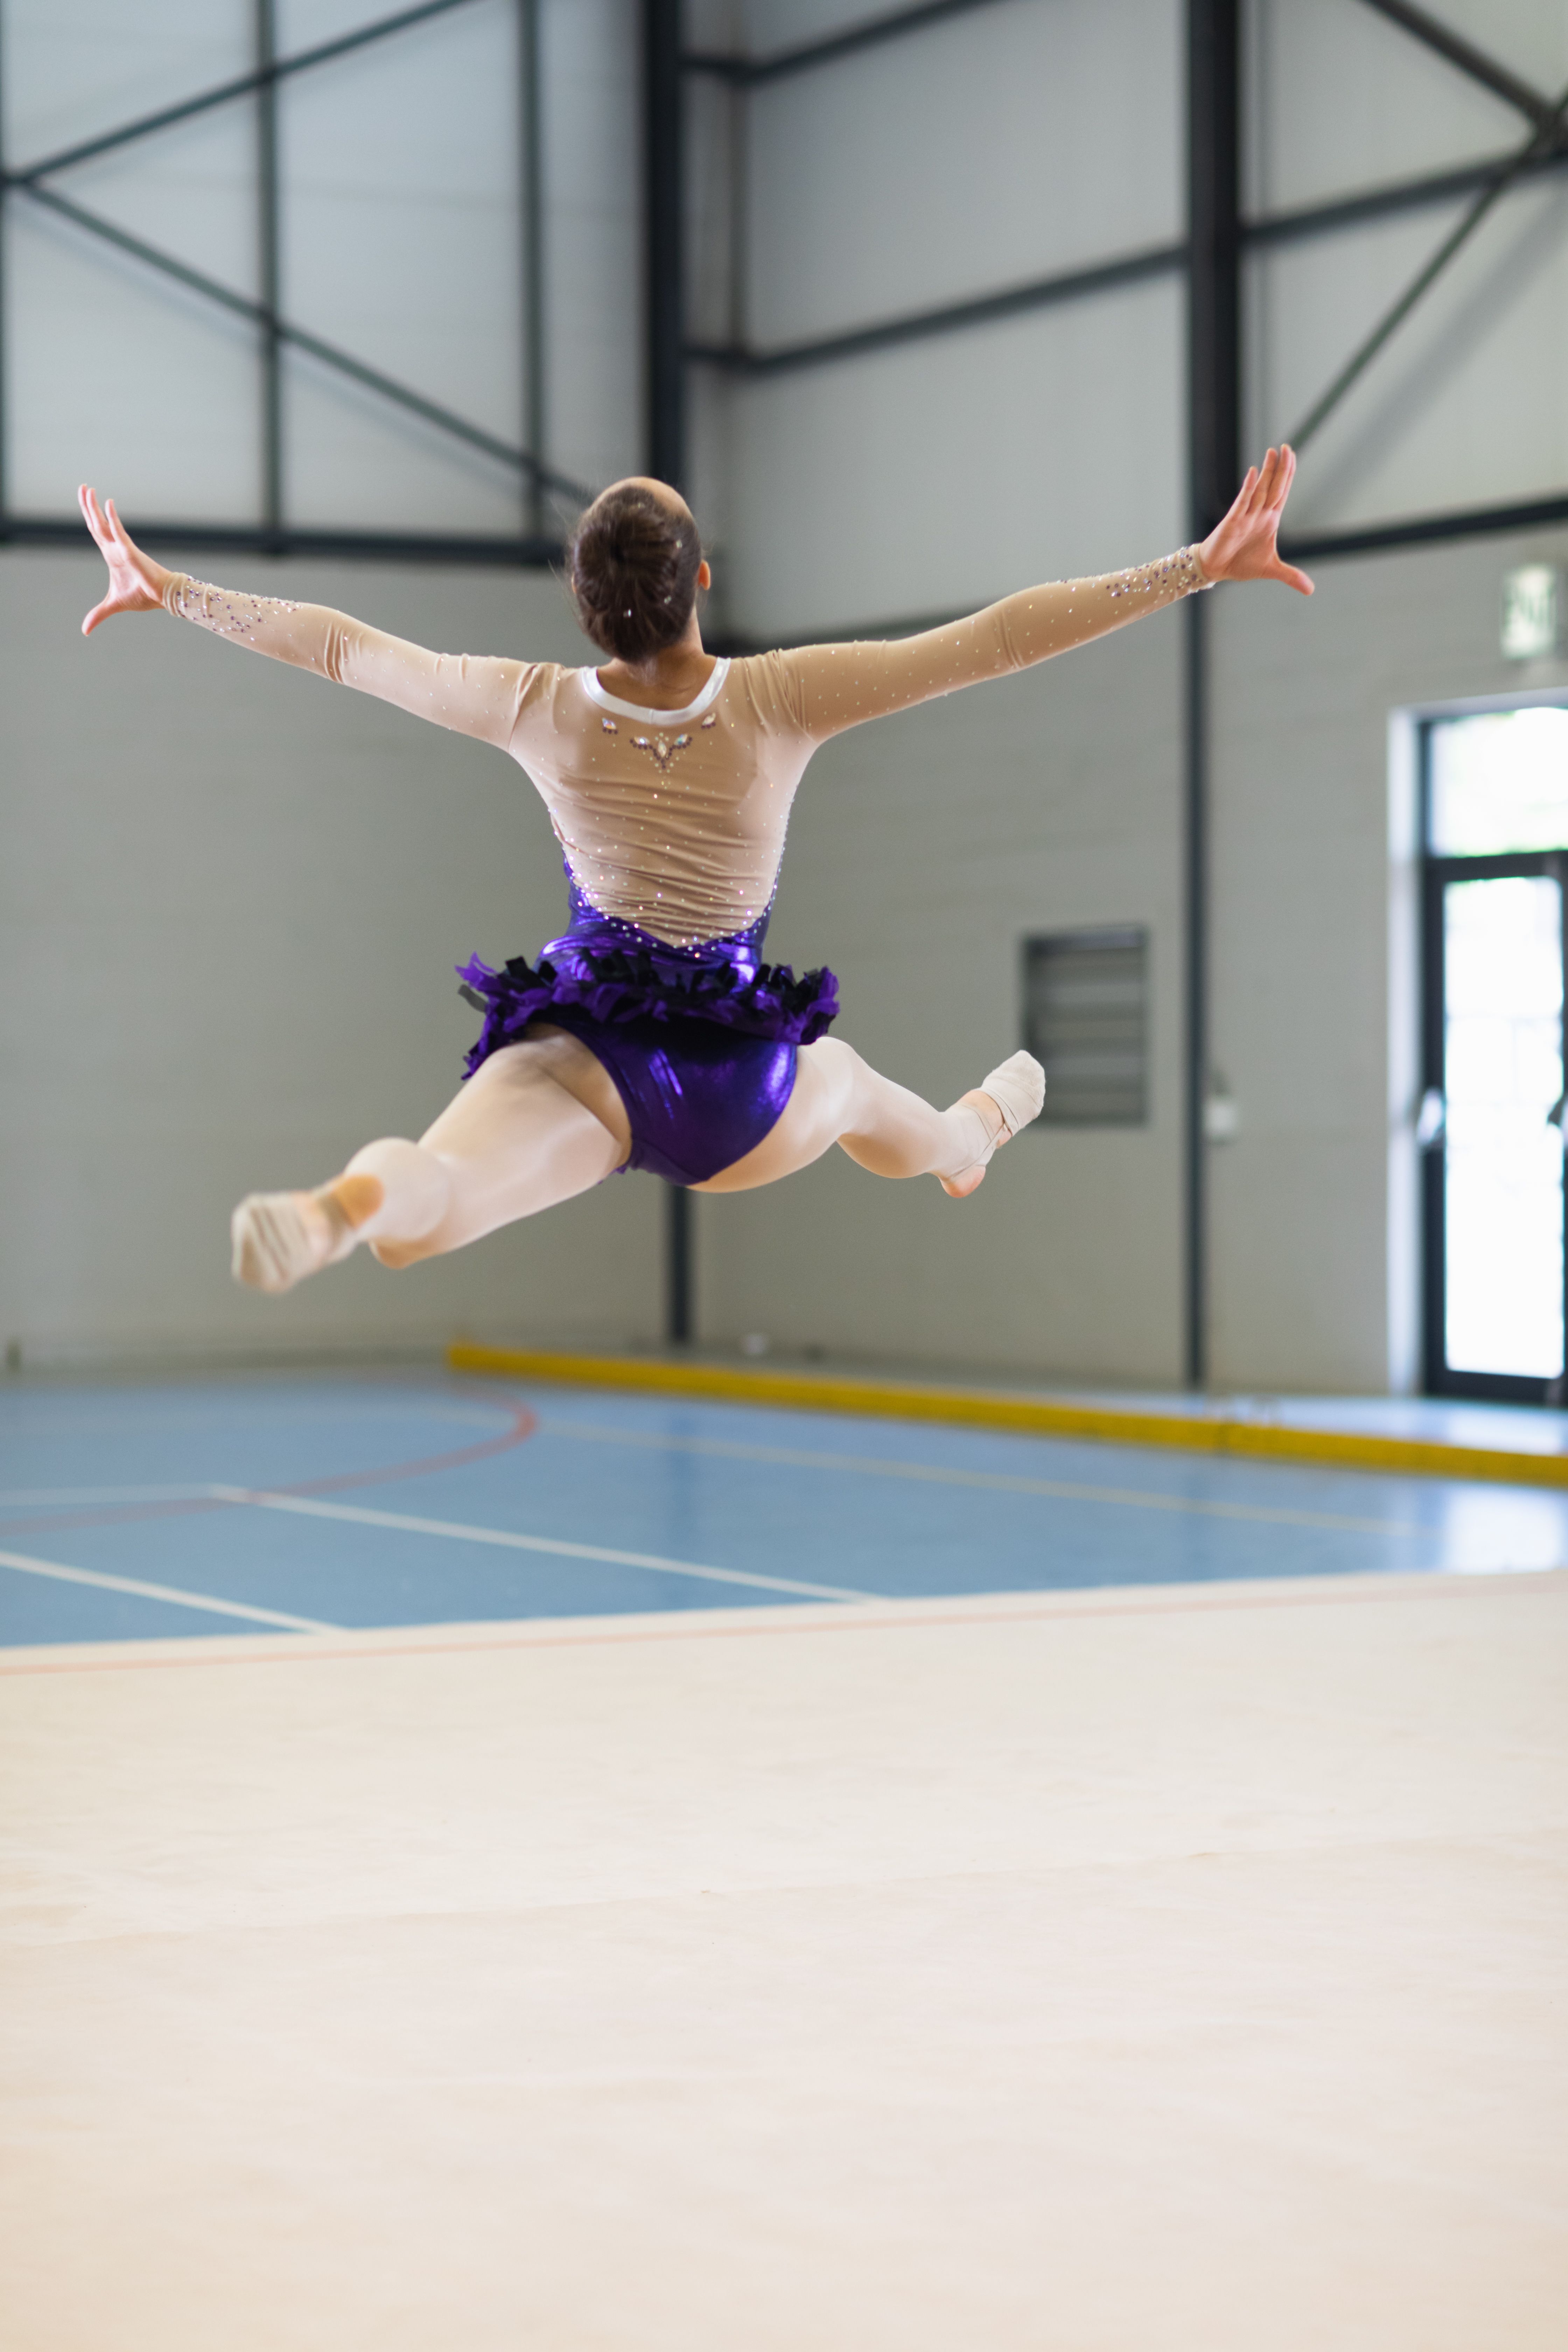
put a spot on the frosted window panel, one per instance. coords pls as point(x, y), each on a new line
point(1006, 145)
point(1465, 407)
point(1340, 99)
point(1004, 431)
point(401, 233)
point(190, 191)
point(1500, 782)
point(306, 24)
point(74, 68)
point(120, 378)
point(357, 463)
point(1503, 1073)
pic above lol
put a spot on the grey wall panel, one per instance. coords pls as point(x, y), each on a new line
point(930, 478)
point(1000, 146)
point(1339, 97)
point(1465, 407)
point(1303, 986)
point(923, 849)
point(230, 904)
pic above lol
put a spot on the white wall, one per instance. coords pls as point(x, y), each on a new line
point(230, 905)
point(923, 849)
point(1303, 978)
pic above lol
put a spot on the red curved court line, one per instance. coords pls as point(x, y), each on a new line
point(524, 1422)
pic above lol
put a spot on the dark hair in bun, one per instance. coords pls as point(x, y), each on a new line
point(632, 565)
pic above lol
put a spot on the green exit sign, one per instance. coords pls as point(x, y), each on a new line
point(1531, 608)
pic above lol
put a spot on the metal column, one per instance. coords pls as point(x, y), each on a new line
point(267, 273)
point(665, 327)
point(5, 354)
point(1213, 425)
point(531, 135)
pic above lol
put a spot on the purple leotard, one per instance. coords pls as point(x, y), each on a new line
point(701, 1042)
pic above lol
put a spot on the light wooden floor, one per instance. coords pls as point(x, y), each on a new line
point(1153, 1972)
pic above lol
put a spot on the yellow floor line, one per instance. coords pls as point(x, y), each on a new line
point(1036, 1416)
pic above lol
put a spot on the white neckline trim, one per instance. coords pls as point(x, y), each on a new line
point(608, 701)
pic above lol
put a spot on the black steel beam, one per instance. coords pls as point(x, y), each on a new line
point(1427, 530)
point(1214, 300)
point(5, 351)
point(747, 72)
point(948, 318)
point(1213, 461)
point(1308, 547)
point(664, 294)
point(268, 272)
point(1423, 26)
point(351, 546)
point(1399, 196)
point(1308, 221)
point(343, 363)
point(664, 315)
point(531, 136)
point(225, 93)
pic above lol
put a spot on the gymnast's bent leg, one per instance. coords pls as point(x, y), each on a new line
point(839, 1098)
point(536, 1124)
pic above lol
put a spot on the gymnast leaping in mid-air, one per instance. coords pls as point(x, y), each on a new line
point(651, 1034)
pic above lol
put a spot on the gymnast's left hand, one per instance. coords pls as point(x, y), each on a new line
point(1243, 545)
point(135, 582)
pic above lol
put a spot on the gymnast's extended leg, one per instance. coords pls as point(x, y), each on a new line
point(839, 1098)
point(537, 1123)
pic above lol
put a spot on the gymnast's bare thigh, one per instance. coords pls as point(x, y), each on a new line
point(555, 1054)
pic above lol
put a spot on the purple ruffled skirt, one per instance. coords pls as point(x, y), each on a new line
point(701, 1042)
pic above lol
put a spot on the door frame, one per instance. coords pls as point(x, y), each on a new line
point(1439, 1378)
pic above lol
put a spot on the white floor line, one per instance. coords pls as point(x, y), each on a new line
point(44, 1497)
point(202, 1600)
point(455, 1531)
point(997, 1481)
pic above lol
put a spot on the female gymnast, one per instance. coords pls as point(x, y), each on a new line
point(651, 1034)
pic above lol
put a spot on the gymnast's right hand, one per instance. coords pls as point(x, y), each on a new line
point(135, 581)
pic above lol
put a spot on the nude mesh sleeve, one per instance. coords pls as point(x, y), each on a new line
point(473, 697)
point(835, 686)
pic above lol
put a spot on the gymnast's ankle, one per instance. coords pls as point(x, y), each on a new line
point(280, 1238)
point(987, 1129)
point(355, 1197)
point(1013, 1094)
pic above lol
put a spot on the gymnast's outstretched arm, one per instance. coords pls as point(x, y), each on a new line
point(831, 688)
point(475, 697)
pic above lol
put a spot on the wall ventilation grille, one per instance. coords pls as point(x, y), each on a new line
point(1086, 1017)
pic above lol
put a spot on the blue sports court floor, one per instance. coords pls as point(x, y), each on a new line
point(142, 1512)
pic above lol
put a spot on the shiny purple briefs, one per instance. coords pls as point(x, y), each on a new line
point(701, 1042)
point(697, 1097)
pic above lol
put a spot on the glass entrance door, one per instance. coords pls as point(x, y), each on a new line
point(1492, 1120)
